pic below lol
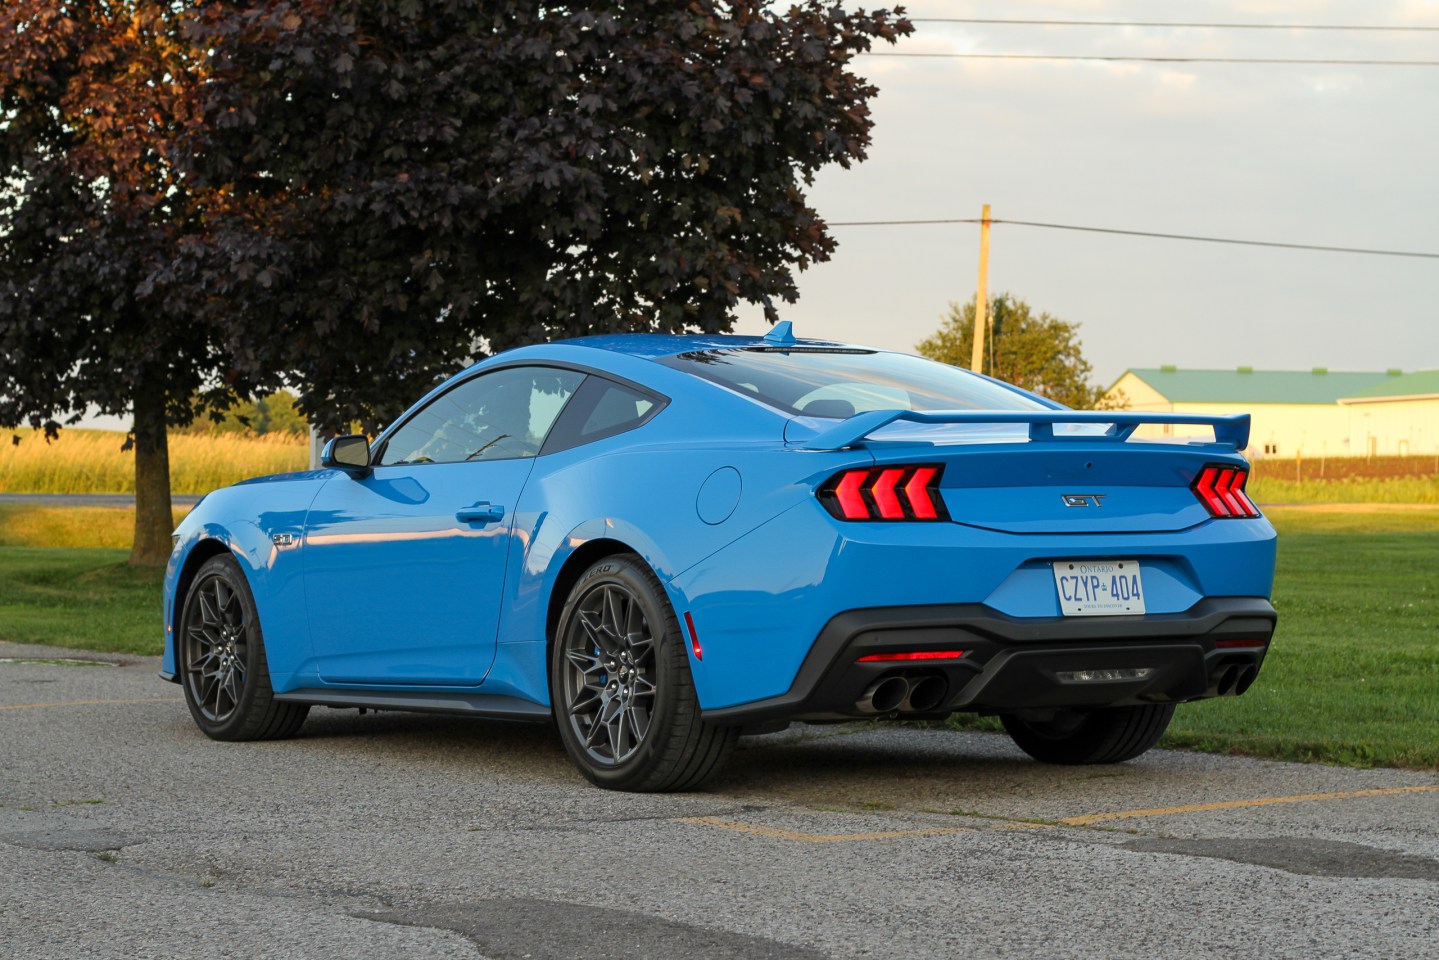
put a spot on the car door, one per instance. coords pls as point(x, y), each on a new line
point(405, 567)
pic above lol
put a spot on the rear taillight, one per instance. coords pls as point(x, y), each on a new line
point(1221, 489)
point(885, 493)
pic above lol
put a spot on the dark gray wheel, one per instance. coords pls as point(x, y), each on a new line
point(620, 679)
point(1107, 735)
point(221, 655)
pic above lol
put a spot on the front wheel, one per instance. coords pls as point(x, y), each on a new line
point(222, 660)
point(624, 699)
point(1107, 735)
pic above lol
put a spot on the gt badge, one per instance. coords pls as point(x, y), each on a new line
point(1081, 499)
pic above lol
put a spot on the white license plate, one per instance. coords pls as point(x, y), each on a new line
point(1099, 588)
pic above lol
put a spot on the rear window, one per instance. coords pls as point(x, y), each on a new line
point(838, 383)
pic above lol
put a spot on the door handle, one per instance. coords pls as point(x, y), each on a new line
point(480, 513)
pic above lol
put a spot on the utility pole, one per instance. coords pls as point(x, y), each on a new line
point(981, 296)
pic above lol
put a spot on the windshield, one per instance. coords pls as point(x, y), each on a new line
point(835, 383)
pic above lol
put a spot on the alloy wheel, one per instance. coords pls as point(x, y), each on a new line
point(216, 649)
point(609, 674)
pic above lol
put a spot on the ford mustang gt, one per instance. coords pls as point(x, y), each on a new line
point(664, 542)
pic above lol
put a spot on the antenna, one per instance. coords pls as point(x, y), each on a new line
point(782, 334)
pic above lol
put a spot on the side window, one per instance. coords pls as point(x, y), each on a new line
point(495, 416)
point(601, 408)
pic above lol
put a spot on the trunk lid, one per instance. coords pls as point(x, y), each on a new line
point(1049, 472)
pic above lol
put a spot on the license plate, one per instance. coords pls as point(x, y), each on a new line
point(1099, 588)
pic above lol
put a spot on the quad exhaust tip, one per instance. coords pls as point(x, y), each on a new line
point(1234, 679)
point(899, 693)
point(925, 694)
point(884, 695)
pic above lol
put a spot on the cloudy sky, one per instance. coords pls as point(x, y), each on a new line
point(1336, 155)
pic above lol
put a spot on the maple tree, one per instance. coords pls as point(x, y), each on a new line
point(351, 198)
point(91, 211)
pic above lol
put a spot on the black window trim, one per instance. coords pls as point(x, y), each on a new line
point(377, 449)
point(658, 400)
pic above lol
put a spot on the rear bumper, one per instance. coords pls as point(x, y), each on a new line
point(1215, 648)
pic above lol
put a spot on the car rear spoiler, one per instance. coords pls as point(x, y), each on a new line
point(1231, 430)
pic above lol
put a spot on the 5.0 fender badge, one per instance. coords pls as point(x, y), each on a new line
point(284, 539)
point(1082, 499)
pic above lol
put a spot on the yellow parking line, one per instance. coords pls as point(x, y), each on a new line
point(89, 703)
point(1088, 819)
point(775, 833)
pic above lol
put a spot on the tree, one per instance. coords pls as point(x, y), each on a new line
point(90, 214)
point(269, 413)
point(410, 184)
point(208, 201)
point(1039, 353)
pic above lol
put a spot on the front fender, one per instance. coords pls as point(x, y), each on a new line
point(274, 574)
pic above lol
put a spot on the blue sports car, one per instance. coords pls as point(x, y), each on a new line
point(665, 542)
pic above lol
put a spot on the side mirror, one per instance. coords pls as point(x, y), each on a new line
point(349, 453)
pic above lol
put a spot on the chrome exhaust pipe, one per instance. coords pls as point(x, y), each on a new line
point(925, 694)
point(884, 695)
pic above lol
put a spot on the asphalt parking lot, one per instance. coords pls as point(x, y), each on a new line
point(125, 833)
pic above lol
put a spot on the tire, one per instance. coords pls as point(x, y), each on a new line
point(1075, 737)
point(620, 682)
point(221, 659)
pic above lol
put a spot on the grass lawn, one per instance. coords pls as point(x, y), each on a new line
point(86, 598)
point(1353, 675)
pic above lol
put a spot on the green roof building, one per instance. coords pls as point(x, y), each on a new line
point(1300, 413)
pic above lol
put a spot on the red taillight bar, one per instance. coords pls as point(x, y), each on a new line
point(1220, 488)
point(885, 493)
point(914, 655)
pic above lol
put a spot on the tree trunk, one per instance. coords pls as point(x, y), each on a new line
point(153, 516)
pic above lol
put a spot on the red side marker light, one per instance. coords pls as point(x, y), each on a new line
point(913, 655)
point(694, 637)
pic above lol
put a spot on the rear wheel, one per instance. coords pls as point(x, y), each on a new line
point(1107, 735)
point(222, 660)
point(624, 699)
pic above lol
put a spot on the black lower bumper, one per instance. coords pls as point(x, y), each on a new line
point(1215, 648)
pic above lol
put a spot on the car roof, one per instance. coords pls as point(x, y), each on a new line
point(651, 346)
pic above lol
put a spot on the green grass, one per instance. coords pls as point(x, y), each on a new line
point(25, 526)
point(1353, 673)
point(86, 599)
point(1346, 490)
point(1352, 677)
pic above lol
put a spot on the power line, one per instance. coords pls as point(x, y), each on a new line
point(1139, 59)
point(1207, 26)
point(1144, 233)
